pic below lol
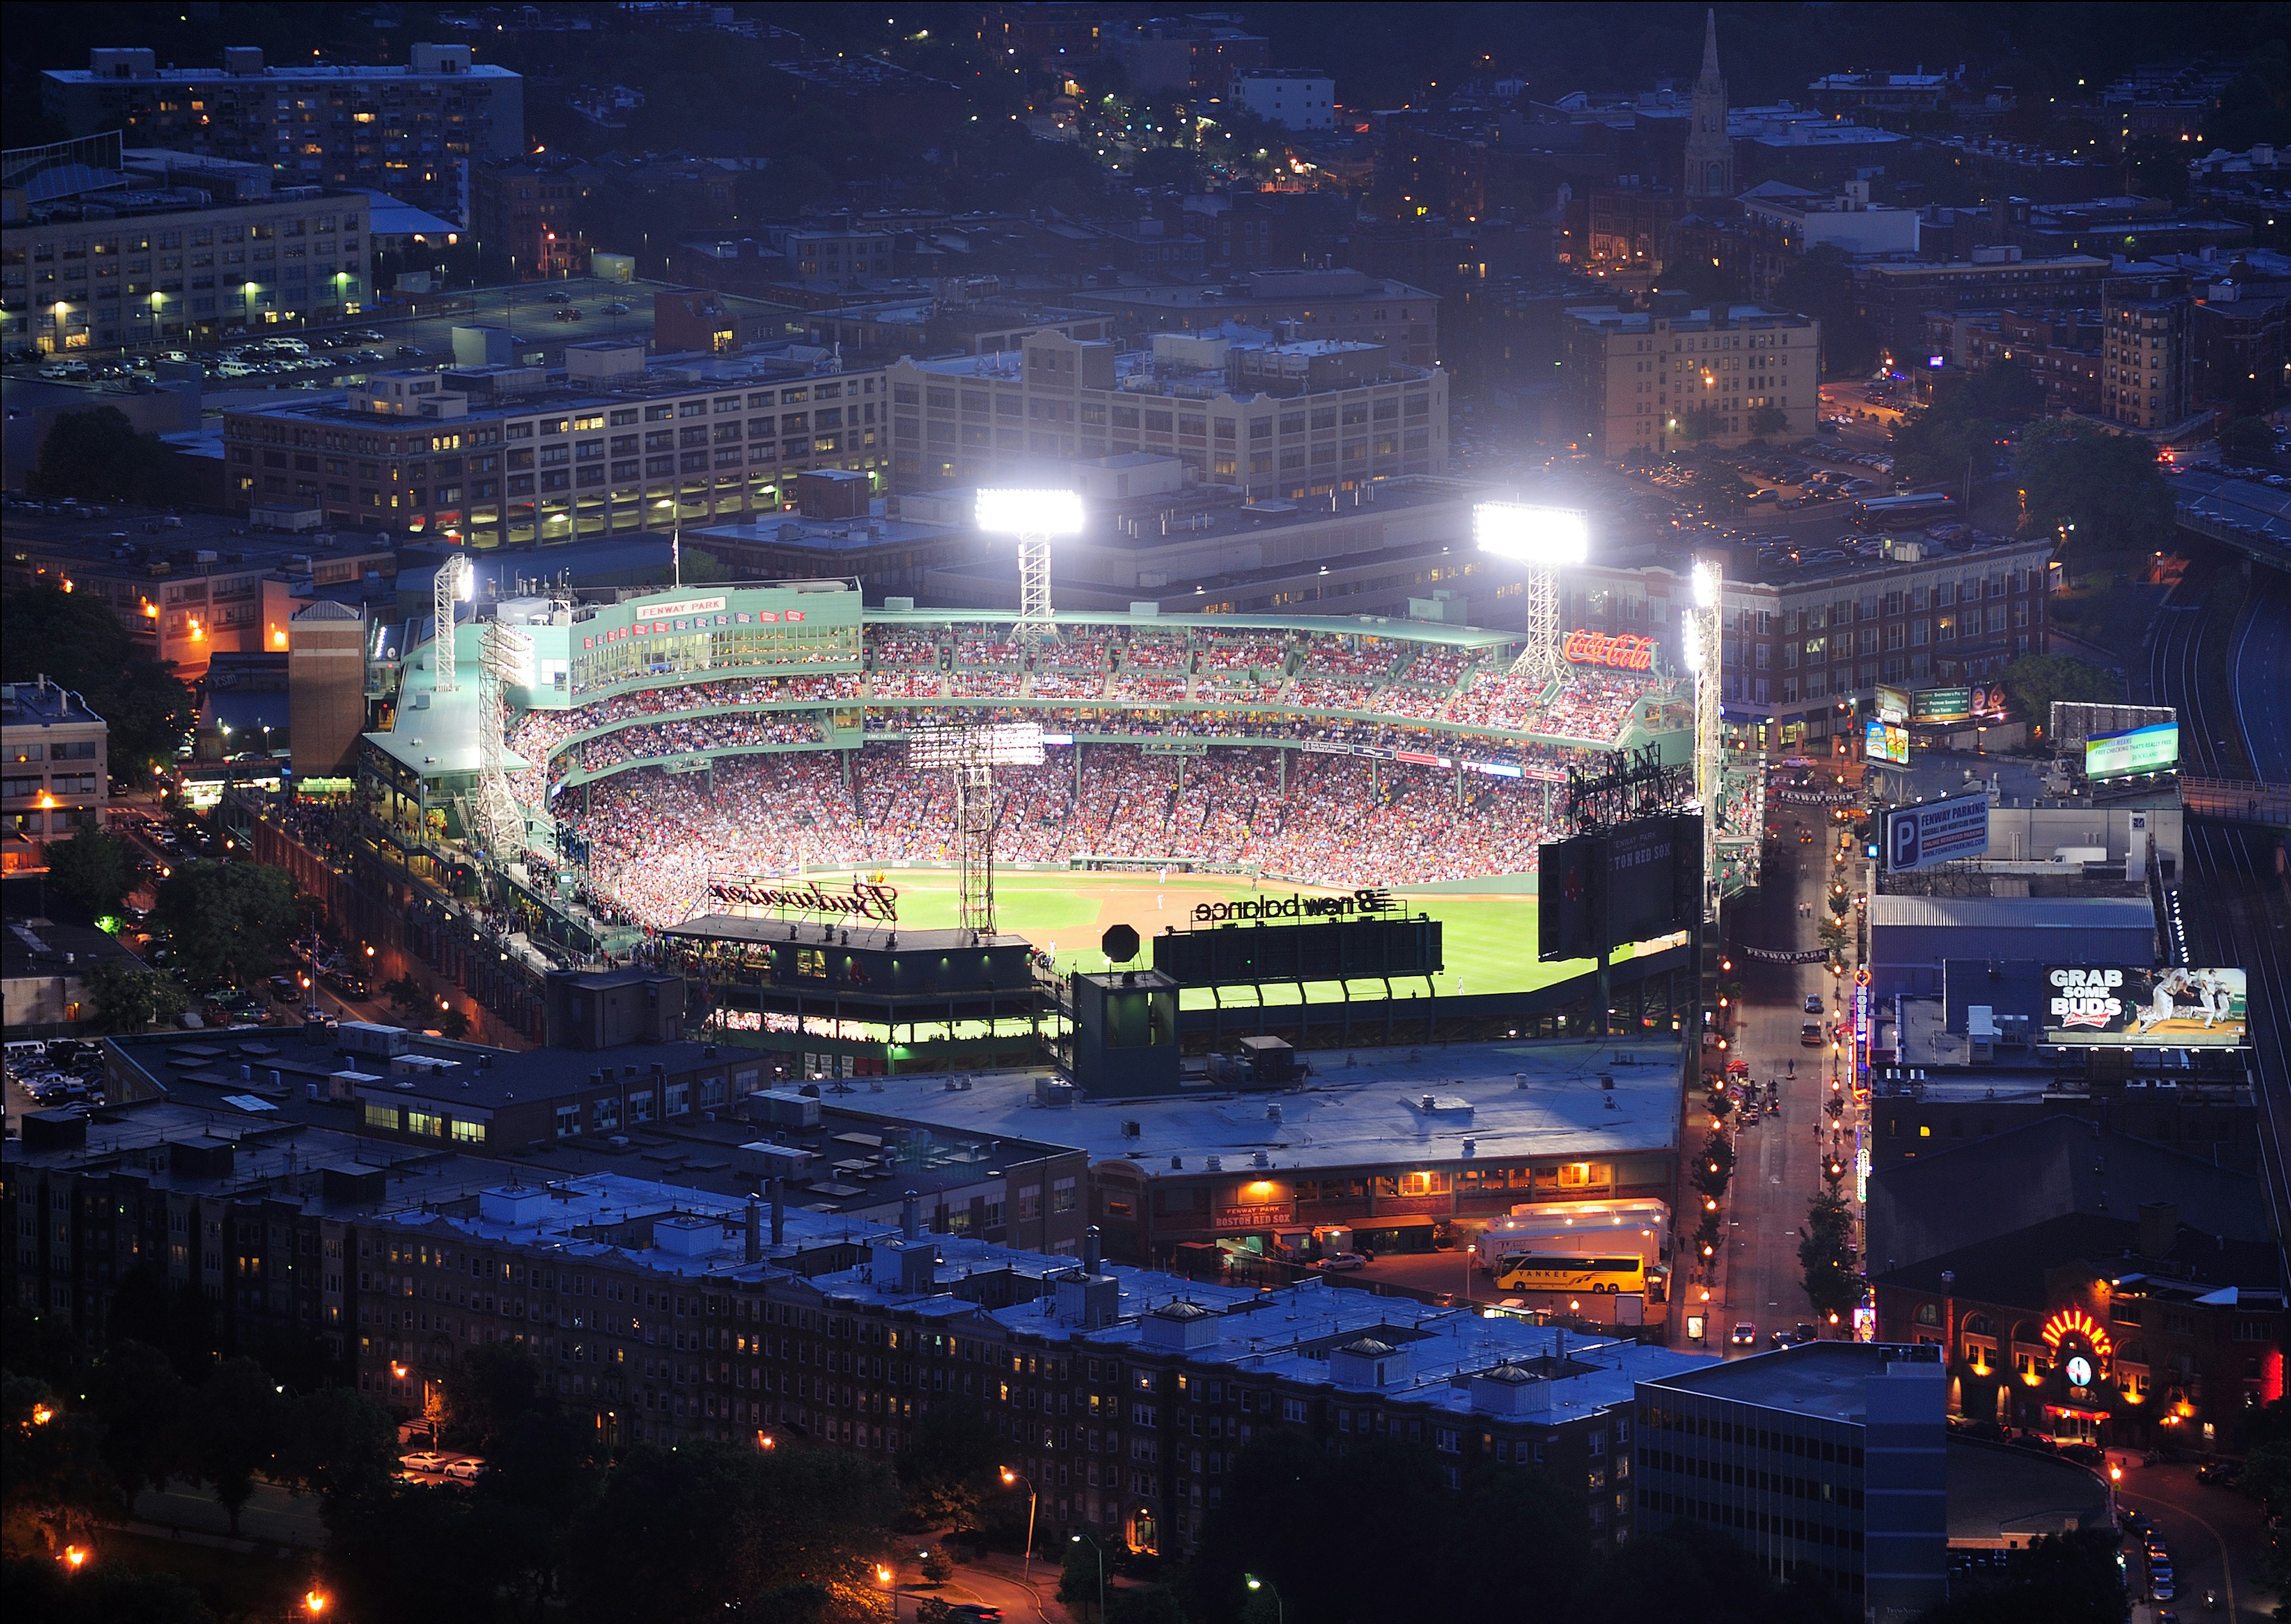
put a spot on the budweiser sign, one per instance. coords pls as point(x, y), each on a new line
point(865, 900)
point(1625, 651)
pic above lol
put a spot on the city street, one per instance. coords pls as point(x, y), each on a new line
point(2214, 1536)
point(1778, 1159)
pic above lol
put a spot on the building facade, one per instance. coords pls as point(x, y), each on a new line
point(404, 131)
point(2146, 358)
point(1294, 98)
point(1826, 1461)
point(53, 749)
point(617, 450)
point(1274, 420)
point(1649, 382)
point(1784, 223)
point(174, 257)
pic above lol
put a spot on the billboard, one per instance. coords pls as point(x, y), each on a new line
point(1888, 742)
point(1949, 704)
point(2124, 1006)
point(2073, 721)
point(2152, 749)
point(1935, 831)
point(1894, 703)
point(1637, 880)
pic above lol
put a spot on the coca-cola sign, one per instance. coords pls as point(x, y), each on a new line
point(1622, 650)
point(866, 900)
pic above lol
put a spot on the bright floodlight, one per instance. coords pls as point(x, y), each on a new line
point(1689, 642)
point(1706, 584)
point(465, 577)
point(1006, 513)
point(1544, 537)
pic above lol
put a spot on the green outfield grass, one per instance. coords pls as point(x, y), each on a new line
point(1488, 942)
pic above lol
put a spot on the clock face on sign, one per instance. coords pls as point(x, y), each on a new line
point(2080, 1369)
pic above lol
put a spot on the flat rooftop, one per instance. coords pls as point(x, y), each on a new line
point(1824, 1381)
point(1365, 1106)
point(1997, 1493)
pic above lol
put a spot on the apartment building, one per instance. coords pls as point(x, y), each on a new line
point(492, 456)
point(1294, 98)
point(1896, 295)
point(2145, 354)
point(1784, 223)
point(406, 130)
point(165, 246)
point(54, 748)
point(1649, 382)
point(1275, 420)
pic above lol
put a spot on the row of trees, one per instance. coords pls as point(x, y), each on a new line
point(75, 639)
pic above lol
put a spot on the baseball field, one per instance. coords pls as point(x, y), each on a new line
point(1488, 941)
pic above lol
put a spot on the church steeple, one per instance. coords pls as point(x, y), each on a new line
point(1710, 151)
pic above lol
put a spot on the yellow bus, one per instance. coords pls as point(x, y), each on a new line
point(1565, 1272)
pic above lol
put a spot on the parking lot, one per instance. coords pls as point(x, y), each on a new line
point(419, 333)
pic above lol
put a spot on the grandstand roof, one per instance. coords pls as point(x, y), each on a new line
point(1529, 1097)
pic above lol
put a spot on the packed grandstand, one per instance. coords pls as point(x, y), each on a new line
point(1321, 754)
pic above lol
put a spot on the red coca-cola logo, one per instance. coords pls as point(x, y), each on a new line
point(1625, 651)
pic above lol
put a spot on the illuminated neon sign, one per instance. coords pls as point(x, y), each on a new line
point(2076, 1323)
point(1624, 651)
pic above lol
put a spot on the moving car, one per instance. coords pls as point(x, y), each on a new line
point(1813, 1003)
point(1746, 1335)
point(1809, 1034)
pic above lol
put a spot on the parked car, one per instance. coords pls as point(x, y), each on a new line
point(569, 313)
point(1342, 1260)
point(465, 1471)
point(422, 1460)
point(1813, 1003)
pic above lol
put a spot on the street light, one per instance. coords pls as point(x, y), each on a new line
point(1280, 1607)
point(1027, 1566)
point(1077, 1539)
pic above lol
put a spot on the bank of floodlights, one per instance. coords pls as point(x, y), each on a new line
point(1546, 540)
point(1034, 517)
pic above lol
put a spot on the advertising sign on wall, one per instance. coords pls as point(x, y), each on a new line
point(2108, 1005)
point(1935, 831)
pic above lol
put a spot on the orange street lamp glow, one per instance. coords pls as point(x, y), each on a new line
point(42, 1415)
point(315, 1602)
point(75, 1557)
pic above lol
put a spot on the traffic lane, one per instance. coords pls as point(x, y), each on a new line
point(2215, 1537)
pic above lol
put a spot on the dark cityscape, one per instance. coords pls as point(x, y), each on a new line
point(1062, 813)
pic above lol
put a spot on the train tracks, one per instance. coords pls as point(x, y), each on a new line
point(2230, 906)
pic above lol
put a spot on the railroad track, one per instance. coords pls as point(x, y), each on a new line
point(2230, 898)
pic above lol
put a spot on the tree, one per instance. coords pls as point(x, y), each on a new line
point(1820, 284)
point(452, 1023)
point(2035, 681)
point(2102, 493)
point(709, 1527)
point(53, 1484)
point(1769, 420)
point(2246, 439)
point(1650, 1579)
point(339, 1446)
point(489, 1388)
point(948, 1467)
point(1714, 1169)
point(404, 994)
point(94, 868)
point(130, 996)
point(139, 1398)
point(233, 1427)
point(75, 639)
point(1825, 1253)
point(2266, 1439)
point(227, 918)
point(97, 455)
point(2059, 1579)
point(104, 1594)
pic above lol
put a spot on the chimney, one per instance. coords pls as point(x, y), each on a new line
point(779, 1211)
point(2159, 1227)
point(911, 1220)
point(755, 1231)
point(1090, 1256)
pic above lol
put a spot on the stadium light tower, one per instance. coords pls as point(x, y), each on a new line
point(1035, 518)
point(455, 582)
point(970, 756)
point(1544, 539)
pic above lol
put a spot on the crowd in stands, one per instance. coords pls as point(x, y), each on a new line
point(689, 735)
point(1371, 659)
point(654, 838)
point(893, 650)
point(1585, 705)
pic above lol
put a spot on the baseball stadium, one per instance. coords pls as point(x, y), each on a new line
point(696, 777)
